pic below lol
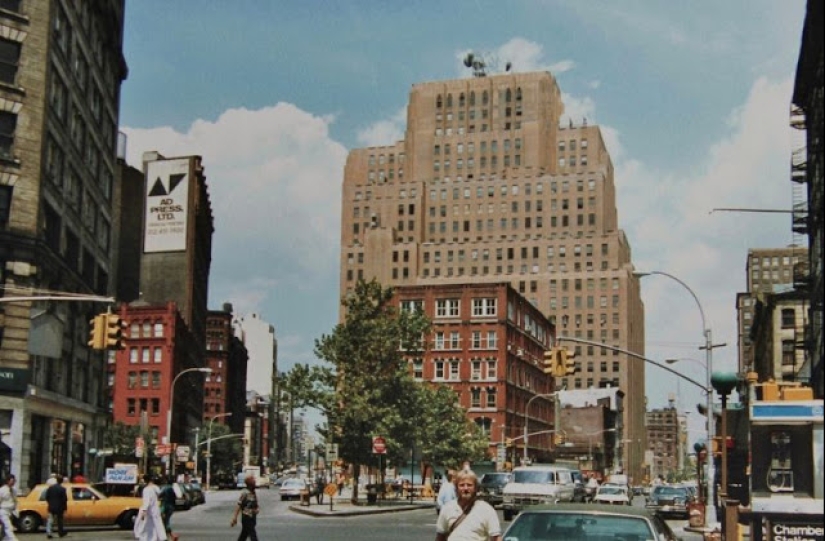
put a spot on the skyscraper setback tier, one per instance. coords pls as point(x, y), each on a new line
point(487, 186)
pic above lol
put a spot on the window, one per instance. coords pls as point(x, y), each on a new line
point(144, 379)
point(439, 370)
point(9, 58)
point(454, 370)
point(492, 340)
point(484, 307)
point(131, 381)
point(130, 407)
point(157, 354)
point(5, 205)
point(446, 308)
point(475, 398)
point(413, 306)
point(418, 369)
point(8, 125)
point(788, 317)
point(155, 380)
point(491, 397)
point(475, 370)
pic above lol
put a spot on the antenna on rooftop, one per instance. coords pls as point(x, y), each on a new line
point(479, 64)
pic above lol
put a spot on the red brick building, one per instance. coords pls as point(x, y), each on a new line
point(158, 345)
point(225, 391)
point(488, 345)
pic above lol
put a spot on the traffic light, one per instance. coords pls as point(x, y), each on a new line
point(568, 365)
point(558, 438)
point(114, 331)
point(97, 329)
point(551, 360)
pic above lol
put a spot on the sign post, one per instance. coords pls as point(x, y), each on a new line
point(379, 447)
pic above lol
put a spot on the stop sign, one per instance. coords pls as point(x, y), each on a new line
point(379, 445)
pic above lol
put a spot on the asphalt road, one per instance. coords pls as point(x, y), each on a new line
point(210, 522)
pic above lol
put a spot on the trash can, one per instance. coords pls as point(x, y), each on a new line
point(696, 514)
point(372, 494)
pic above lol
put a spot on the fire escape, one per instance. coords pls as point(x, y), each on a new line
point(799, 217)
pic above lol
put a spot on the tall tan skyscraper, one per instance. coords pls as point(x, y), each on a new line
point(486, 186)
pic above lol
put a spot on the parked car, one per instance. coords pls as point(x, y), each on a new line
point(87, 506)
point(491, 487)
point(291, 489)
point(612, 494)
point(593, 522)
point(195, 493)
point(669, 500)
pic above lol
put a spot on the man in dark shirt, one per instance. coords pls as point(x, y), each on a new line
point(248, 509)
point(57, 501)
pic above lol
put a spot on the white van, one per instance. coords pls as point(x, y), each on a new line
point(533, 485)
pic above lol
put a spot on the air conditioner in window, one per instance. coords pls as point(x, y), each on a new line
point(520, 352)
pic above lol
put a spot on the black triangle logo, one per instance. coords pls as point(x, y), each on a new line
point(158, 189)
point(174, 180)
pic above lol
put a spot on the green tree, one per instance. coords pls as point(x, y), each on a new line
point(369, 371)
point(120, 438)
point(227, 450)
point(369, 390)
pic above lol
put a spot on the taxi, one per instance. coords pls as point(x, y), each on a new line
point(87, 506)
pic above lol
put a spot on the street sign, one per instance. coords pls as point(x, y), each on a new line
point(379, 445)
point(163, 449)
point(139, 445)
point(105, 452)
point(331, 452)
point(182, 453)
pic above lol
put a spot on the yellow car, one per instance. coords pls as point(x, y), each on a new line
point(87, 506)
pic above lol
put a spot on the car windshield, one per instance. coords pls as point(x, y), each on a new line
point(611, 490)
point(670, 492)
point(494, 478)
point(533, 476)
point(542, 526)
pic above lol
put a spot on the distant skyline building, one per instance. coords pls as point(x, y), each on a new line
point(63, 67)
point(486, 186)
point(767, 271)
point(261, 344)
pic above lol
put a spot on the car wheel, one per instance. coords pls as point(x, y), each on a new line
point(127, 520)
point(28, 523)
point(283, 498)
point(508, 514)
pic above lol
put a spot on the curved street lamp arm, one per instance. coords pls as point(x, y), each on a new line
point(636, 355)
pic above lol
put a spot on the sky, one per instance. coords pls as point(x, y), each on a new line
point(692, 99)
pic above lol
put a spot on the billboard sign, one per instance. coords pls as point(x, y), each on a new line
point(167, 206)
point(122, 474)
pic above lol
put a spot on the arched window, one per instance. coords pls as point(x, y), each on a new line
point(449, 100)
point(472, 99)
point(518, 94)
point(461, 101)
point(438, 102)
point(485, 98)
point(508, 96)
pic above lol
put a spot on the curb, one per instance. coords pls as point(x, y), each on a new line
point(352, 511)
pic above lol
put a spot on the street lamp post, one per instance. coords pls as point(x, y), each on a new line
point(209, 447)
point(171, 405)
point(710, 508)
point(526, 418)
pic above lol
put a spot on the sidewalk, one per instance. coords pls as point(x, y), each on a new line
point(342, 505)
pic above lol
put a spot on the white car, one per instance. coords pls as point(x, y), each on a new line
point(291, 489)
point(612, 494)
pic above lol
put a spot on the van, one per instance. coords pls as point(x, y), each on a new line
point(534, 485)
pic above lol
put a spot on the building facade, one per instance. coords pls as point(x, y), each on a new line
point(486, 186)
point(62, 68)
point(158, 346)
point(227, 356)
point(778, 337)
point(664, 440)
point(808, 170)
point(768, 271)
point(262, 376)
point(487, 343)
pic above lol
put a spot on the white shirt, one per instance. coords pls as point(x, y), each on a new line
point(7, 499)
point(479, 525)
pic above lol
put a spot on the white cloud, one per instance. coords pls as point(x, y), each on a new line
point(384, 132)
point(671, 227)
point(274, 180)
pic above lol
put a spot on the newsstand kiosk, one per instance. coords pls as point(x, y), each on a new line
point(786, 464)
